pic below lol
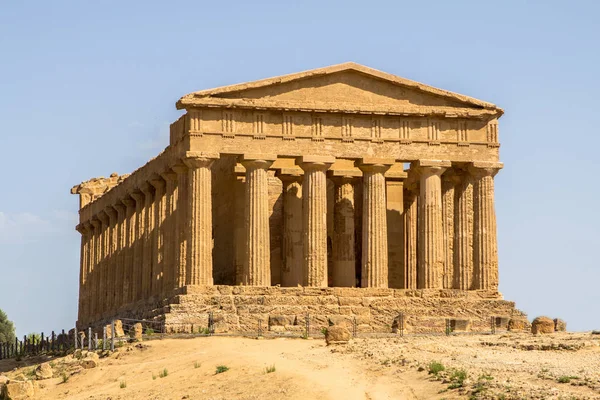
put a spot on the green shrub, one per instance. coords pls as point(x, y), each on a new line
point(436, 367)
point(457, 379)
point(270, 369)
point(221, 369)
point(197, 364)
point(566, 378)
point(149, 331)
point(123, 384)
point(163, 373)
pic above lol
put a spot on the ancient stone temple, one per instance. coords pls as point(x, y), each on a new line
point(338, 191)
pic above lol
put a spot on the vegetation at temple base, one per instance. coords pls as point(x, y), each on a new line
point(7, 329)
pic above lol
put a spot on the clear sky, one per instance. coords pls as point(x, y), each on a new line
point(89, 88)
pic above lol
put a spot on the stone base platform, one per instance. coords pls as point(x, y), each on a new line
point(238, 309)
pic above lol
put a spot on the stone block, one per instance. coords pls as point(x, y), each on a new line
point(337, 335)
point(350, 301)
point(17, 390)
point(339, 320)
point(136, 332)
point(281, 320)
point(43, 371)
point(560, 325)
point(542, 325)
point(517, 324)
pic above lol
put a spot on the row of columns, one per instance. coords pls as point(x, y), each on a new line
point(159, 237)
point(156, 239)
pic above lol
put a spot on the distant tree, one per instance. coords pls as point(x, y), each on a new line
point(7, 329)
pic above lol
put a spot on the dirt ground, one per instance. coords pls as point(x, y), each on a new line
point(509, 366)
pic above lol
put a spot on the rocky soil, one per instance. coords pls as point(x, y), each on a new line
point(501, 366)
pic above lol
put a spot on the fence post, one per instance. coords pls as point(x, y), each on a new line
point(307, 333)
point(104, 338)
point(112, 337)
point(89, 338)
point(259, 327)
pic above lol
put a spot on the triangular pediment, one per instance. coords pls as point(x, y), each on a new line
point(347, 86)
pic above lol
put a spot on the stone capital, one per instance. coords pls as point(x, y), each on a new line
point(111, 212)
point(344, 173)
point(138, 197)
point(103, 217)
point(169, 175)
point(180, 168)
point(290, 174)
point(395, 175)
point(452, 177)
point(484, 168)
point(257, 161)
point(433, 163)
point(375, 165)
point(157, 182)
point(120, 207)
point(146, 188)
point(318, 163)
point(199, 159)
point(128, 202)
point(81, 228)
point(95, 222)
point(88, 226)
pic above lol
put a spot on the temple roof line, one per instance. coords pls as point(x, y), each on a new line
point(191, 99)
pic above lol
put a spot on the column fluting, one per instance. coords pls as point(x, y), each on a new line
point(374, 271)
point(291, 274)
point(485, 238)
point(257, 263)
point(411, 199)
point(463, 233)
point(314, 221)
point(431, 234)
point(343, 243)
point(199, 240)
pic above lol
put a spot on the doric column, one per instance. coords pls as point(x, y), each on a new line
point(485, 239)
point(94, 279)
point(343, 243)
point(130, 243)
point(182, 225)
point(120, 255)
point(431, 234)
point(170, 228)
point(148, 264)
point(82, 270)
point(138, 247)
point(257, 263)
point(103, 264)
point(449, 181)
point(111, 265)
point(314, 221)
point(199, 205)
point(395, 228)
point(374, 235)
point(463, 232)
point(411, 198)
point(291, 274)
point(160, 209)
point(88, 265)
point(239, 224)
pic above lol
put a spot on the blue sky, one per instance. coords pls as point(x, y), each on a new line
point(88, 88)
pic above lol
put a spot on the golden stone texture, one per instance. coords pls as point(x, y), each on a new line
point(300, 180)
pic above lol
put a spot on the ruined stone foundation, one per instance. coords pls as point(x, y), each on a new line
point(238, 309)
